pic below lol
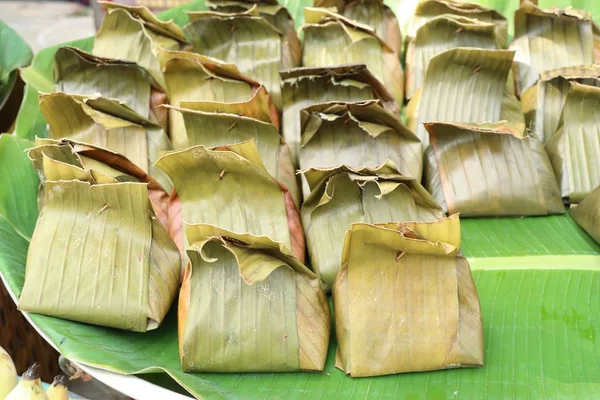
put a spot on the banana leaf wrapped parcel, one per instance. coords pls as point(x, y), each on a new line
point(99, 255)
point(490, 170)
point(373, 13)
point(133, 33)
point(341, 196)
point(587, 214)
point(331, 39)
point(405, 300)
point(543, 103)
point(303, 87)
point(574, 149)
point(247, 39)
point(248, 305)
point(357, 134)
point(214, 124)
point(550, 39)
point(230, 187)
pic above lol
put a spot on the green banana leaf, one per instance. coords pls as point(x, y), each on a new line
point(425, 314)
point(587, 214)
point(357, 134)
point(303, 87)
point(439, 34)
point(331, 40)
point(543, 103)
point(574, 149)
point(341, 196)
point(572, 43)
point(246, 39)
point(490, 170)
point(247, 304)
point(476, 86)
point(14, 53)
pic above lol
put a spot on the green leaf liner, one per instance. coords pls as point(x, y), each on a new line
point(135, 34)
point(465, 85)
point(374, 13)
point(303, 87)
point(426, 10)
point(574, 149)
point(587, 214)
point(550, 39)
point(81, 73)
point(248, 304)
point(342, 195)
point(357, 134)
point(229, 187)
point(215, 124)
point(543, 103)
point(247, 40)
point(405, 301)
point(490, 170)
point(78, 268)
point(14, 53)
point(331, 39)
point(443, 33)
point(106, 123)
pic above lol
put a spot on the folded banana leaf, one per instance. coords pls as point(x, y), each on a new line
point(275, 13)
point(443, 33)
point(342, 196)
point(427, 10)
point(82, 73)
point(550, 39)
point(543, 103)
point(246, 39)
point(465, 85)
point(303, 87)
point(229, 187)
point(99, 255)
point(490, 170)
point(248, 304)
point(574, 149)
point(587, 214)
point(135, 34)
point(218, 124)
point(106, 123)
point(373, 13)
point(331, 39)
point(357, 134)
point(405, 301)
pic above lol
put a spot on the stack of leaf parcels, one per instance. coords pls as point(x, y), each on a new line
point(587, 214)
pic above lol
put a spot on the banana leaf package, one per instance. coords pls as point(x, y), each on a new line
point(229, 187)
point(405, 300)
point(80, 73)
point(218, 124)
point(543, 103)
point(373, 13)
point(342, 196)
point(465, 85)
point(248, 304)
point(427, 10)
point(574, 149)
point(550, 39)
point(106, 123)
point(443, 33)
point(303, 87)
point(247, 39)
point(331, 39)
point(135, 34)
point(587, 214)
point(357, 134)
point(193, 77)
point(99, 255)
point(490, 170)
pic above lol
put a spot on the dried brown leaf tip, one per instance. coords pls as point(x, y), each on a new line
point(222, 174)
point(458, 30)
point(476, 70)
point(399, 255)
